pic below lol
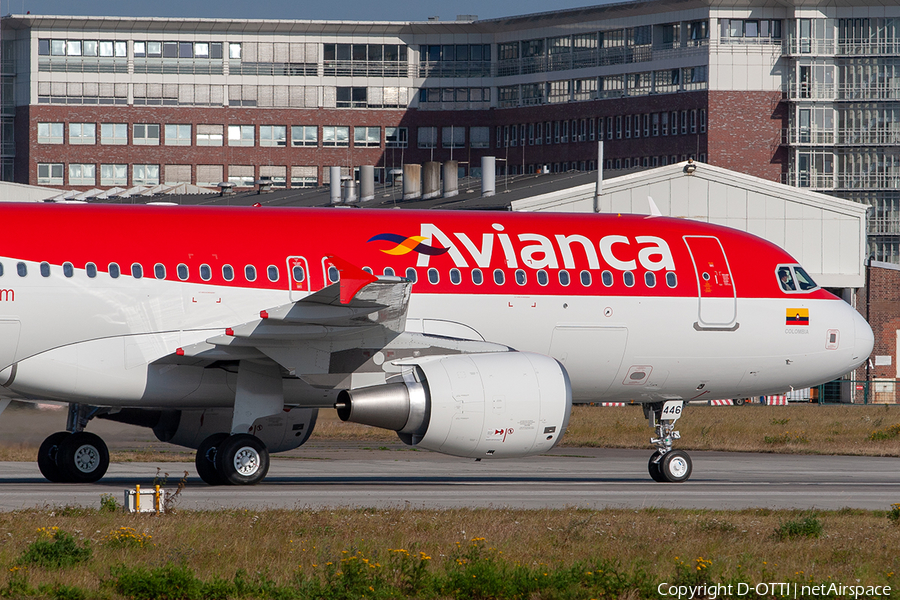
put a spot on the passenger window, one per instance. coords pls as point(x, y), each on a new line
point(586, 278)
point(455, 276)
point(804, 281)
point(650, 279)
point(22, 269)
point(114, 270)
point(205, 272)
point(182, 272)
point(91, 270)
point(520, 276)
point(368, 270)
point(499, 277)
point(671, 279)
point(607, 278)
point(68, 269)
point(564, 278)
point(227, 272)
point(628, 277)
point(45, 269)
point(388, 272)
point(477, 276)
point(272, 272)
point(250, 273)
point(300, 274)
point(137, 271)
point(1, 269)
point(159, 271)
point(786, 279)
point(433, 276)
point(412, 274)
point(334, 275)
point(542, 277)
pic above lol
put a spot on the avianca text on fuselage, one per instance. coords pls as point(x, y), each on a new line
point(619, 252)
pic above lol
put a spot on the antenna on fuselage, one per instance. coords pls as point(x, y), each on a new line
point(654, 209)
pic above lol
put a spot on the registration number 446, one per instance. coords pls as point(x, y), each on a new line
point(672, 410)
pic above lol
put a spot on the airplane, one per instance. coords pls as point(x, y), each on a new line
point(472, 334)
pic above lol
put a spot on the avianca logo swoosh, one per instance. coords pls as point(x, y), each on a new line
point(405, 245)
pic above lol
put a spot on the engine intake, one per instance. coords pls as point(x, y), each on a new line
point(505, 404)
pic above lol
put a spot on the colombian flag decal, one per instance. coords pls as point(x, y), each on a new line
point(797, 316)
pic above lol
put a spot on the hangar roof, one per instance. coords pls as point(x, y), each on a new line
point(827, 235)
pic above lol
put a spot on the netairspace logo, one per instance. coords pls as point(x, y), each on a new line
point(783, 590)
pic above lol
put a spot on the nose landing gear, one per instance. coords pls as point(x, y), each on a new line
point(667, 465)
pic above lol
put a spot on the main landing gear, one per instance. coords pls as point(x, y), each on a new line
point(239, 459)
point(74, 455)
point(667, 465)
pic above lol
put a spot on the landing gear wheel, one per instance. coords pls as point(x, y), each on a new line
point(675, 466)
point(242, 459)
point(83, 458)
point(653, 467)
point(205, 460)
point(739, 402)
point(47, 455)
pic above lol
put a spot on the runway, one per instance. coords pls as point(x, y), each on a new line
point(326, 475)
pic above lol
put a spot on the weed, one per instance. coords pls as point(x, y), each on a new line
point(894, 513)
point(108, 503)
point(169, 582)
point(808, 527)
point(780, 421)
point(171, 499)
point(55, 549)
point(126, 537)
point(888, 433)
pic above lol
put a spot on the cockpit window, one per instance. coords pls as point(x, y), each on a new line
point(804, 281)
point(786, 279)
point(793, 278)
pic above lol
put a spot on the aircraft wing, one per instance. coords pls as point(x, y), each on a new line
point(355, 325)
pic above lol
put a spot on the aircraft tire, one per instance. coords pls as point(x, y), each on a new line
point(242, 459)
point(675, 466)
point(47, 455)
point(653, 467)
point(83, 457)
point(205, 461)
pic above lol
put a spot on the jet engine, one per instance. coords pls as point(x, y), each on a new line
point(497, 405)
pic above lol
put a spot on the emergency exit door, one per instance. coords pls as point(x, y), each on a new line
point(298, 277)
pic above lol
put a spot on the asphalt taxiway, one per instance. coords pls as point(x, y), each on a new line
point(325, 475)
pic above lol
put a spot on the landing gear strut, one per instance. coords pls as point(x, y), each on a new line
point(240, 459)
point(667, 465)
point(74, 455)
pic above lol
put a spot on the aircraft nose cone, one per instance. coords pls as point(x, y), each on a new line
point(864, 340)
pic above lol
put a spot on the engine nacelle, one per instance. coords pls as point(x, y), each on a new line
point(497, 405)
point(280, 432)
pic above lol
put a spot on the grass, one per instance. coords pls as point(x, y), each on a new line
point(396, 553)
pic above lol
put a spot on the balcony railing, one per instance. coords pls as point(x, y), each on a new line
point(462, 68)
point(870, 90)
point(595, 57)
point(813, 136)
point(868, 48)
point(868, 137)
point(364, 68)
point(84, 65)
point(811, 91)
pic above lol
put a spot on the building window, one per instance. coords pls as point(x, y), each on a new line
point(114, 134)
point(396, 137)
point(82, 174)
point(209, 175)
point(50, 133)
point(207, 135)
point(304, 135)
point(82, 133)
point(427, 137)
point(241, 175)
point(277, 174)
point(145, 175)
point(145, 134)
point(178, 135)
point(272, 135)
point(664, 123)
point(240, 135)
point(335, 136)
point(176, 174)
point(113, 175)
point(304, 177)
point(351, 97)
point(50, 173)
point(455, 137)
point(702, 120)
point(693, 121)
point(367, 137)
